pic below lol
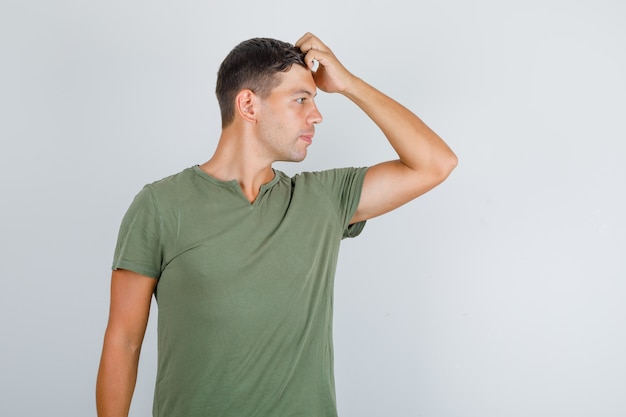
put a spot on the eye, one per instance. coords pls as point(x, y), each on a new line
point(301, 100)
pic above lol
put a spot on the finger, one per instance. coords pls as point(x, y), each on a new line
point(302, 39)
point(306, 39)
point(310, 42)
point(311, 60)
point(316, 56)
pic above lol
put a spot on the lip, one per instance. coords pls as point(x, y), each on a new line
point(307, 137)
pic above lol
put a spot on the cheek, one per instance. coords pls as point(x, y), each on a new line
point(271, 129)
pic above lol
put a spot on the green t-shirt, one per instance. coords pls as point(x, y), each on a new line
point(245, 291)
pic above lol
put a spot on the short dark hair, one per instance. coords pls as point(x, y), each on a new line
point(253, 64)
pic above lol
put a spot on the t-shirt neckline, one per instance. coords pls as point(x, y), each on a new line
point(235, 184)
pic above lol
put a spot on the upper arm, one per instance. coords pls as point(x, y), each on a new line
point(391, 184)
point(131, 296)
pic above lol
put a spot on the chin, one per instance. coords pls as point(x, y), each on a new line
point(295, 157)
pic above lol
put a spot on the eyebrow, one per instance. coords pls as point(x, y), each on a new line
point(303, 91)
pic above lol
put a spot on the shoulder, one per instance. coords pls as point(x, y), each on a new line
point(173, 185)
point(173, 181)
point(330, 175)
point(339, 185)
point(332, 178)
point(167, 189)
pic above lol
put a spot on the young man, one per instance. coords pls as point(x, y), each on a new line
point(241, 258)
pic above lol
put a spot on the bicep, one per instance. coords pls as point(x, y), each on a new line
point(389, 185)
point(131, 296)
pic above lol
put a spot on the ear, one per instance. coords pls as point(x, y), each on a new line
point(245, 105)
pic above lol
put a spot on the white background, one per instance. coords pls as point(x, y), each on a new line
point(500, 293)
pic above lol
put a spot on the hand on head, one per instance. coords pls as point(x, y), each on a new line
point(330, 76)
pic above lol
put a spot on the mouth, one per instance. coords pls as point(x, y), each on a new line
point(307, 137)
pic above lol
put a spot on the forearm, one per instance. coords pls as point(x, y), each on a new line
point(417, 146)
point(116, 378)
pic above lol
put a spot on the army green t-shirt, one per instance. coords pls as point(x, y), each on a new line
point(245, 290)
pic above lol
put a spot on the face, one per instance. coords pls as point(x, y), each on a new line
point(287, 117)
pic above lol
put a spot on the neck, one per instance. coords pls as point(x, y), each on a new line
point(235, 159)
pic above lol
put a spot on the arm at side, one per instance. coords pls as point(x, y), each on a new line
point(131, 295)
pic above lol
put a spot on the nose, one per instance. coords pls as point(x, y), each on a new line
point(315, 116)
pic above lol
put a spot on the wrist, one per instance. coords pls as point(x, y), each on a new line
point(353, 87)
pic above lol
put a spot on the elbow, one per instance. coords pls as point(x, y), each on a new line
point(446, 164)
point(452, 162)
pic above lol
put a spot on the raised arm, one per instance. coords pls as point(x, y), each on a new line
point(424, 158)
point(131, 295)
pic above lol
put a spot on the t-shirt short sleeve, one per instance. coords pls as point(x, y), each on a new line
point(138, 246)
point(344, 187)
